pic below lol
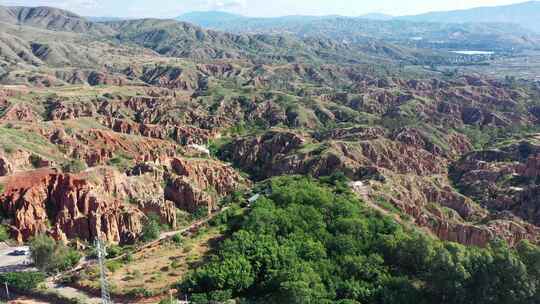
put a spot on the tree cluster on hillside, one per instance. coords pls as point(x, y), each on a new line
point(27, 280)
point(312, 241)
point(50, 256)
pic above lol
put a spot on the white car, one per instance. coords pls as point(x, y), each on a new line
point(21, 251)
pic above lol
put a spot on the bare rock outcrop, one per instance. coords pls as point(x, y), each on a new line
point(14, 161)
point(504, 180)
point(85, 206)
point(261, 153)
point(277, 152)
point(97, 146)
point(20, 112)
point(199, 183)
point(5, 166)
point(435, 205)
point(183, 135)
point(59, 110)
point(352, 134)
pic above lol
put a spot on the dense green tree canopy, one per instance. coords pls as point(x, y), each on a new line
point(310, 241)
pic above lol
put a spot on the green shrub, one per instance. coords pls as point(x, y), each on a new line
point(23, 280)
point(113, 266)
point(74, 166)
point(140, 292)
point(151, 228)
point(35, 160)
point(216, 146)
point(199, 298)
point(50, 256)
point(68, 279)
point(176, 264)
point(128, 258)
point(178, 239)
point(4, 235)
point(226, 217)
point(122, 162)
point(9, 149)
point(113, 251)
point(220, 295)
point(69, 256)
point(202, 212)
point(237, 197)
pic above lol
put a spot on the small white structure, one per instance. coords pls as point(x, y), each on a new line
point(200, 149)
point(254, 198)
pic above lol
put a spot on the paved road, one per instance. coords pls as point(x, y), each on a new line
point(9, 263)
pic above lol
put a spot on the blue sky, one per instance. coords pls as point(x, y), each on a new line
point(263, 8)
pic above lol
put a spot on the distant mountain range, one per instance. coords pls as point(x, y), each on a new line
point(376, 16)
point(416, 31)
point(46, 36)
point(217, 18)
point(526, 14)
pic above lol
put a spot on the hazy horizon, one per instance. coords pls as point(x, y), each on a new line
point(255, 8)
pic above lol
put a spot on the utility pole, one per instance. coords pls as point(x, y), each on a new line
point(7, 291)
point(102, 254)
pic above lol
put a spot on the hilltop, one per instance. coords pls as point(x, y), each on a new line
point(51, 19)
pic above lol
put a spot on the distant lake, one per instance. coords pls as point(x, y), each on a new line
point(473, 52)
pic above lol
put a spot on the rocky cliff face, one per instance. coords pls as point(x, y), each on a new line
point(20, 112)
point(504, 180)
point(85, 206)
point(102, 202)
point(277, 153)
point(69, 206)
point(195, 184)
point(59, 110)
point(433, 203)
point(183, 135)
point(14, 161)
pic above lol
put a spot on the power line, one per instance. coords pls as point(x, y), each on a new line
point(102, 254)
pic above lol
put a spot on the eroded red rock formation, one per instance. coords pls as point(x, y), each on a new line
point(20, 112)
point(84, 206)
point(197, 183)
